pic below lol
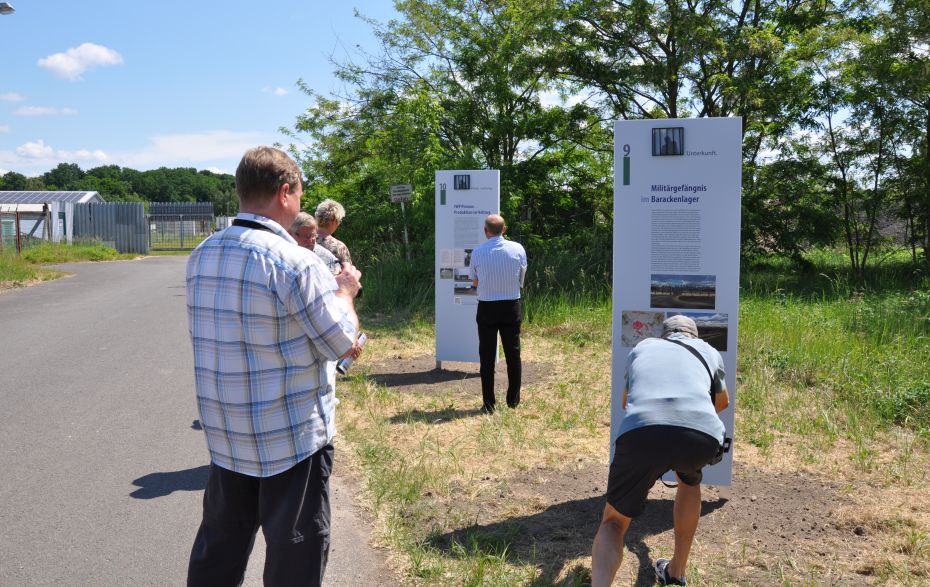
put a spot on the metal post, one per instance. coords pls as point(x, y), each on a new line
point(19, 237)
point(403, 213)
point(182, 231)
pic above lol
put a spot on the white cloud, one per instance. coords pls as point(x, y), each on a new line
point(4, 129)
point(44, 111)
point(278, 91)
point(35, 150)
point(37, 154)
point(11, 97)
point(185, 149)
point(95, 157)
point(211, 149)
point(72, 64)
point(217, 170)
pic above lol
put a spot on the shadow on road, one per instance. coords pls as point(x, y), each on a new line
point(161, 484)
point(561, 533)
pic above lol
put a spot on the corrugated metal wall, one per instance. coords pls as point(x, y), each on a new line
point(122, 225)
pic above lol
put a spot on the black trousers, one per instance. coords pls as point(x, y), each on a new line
point(503, 317)
point(292, 509)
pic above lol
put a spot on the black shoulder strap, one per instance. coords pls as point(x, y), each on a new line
point(251, 224)
point(700, 358)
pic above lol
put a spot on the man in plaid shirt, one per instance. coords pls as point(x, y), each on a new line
point(268, 321)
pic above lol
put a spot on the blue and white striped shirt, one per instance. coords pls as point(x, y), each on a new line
point(266, 329)
point(499, 265)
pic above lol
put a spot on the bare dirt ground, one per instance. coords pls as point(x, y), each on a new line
point(779, 523)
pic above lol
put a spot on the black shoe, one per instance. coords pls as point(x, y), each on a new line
point(662, 574)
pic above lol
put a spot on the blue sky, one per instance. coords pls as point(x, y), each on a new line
point(170, 83)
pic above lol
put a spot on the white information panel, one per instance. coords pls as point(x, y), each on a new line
point(676, 243)
point(463, 201)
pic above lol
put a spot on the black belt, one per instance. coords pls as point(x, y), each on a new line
point(251, 224)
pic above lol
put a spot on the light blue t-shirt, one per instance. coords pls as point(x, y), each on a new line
point(667, 385)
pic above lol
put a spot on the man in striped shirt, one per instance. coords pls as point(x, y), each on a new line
point(268, 321)
point(497, 269)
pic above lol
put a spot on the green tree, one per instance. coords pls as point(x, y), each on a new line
point(12, 181)
point(63, 177)
point(460, 84)
point(679, 59)
point(900, 56)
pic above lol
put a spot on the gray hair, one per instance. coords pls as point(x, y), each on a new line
point(330, 211)
point(302, 219)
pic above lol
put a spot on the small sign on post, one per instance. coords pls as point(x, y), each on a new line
point(401, 193)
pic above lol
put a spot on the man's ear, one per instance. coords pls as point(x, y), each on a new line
point(281, 197)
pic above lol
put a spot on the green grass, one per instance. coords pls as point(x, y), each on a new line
point(829, 364)
point(851, 353)
point(16, 270)
point(859, 343)
point(21, 269)
point(50, 253)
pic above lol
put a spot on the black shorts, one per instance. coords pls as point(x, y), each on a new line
point(643, 455)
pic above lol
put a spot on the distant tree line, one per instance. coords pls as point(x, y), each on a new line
point(122, 184)
point(834, 97)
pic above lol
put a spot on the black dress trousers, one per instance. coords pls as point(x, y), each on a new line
point(292, 508)
point(504, 317)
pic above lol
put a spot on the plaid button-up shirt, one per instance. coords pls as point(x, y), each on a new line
point(266, 328)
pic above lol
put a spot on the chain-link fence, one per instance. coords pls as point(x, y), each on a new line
point(178, 232)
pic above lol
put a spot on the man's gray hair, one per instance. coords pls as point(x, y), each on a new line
point(302, 219)
point(330, 211)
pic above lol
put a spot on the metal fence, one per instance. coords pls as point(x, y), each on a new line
point(178, 232)
point(19, 230)
point(120, 225)
point(179, 226)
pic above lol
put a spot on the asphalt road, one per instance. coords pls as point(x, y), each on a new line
point(102, 468)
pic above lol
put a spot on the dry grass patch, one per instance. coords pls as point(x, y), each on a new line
point(514, 498)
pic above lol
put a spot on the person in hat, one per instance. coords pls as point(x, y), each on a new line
point(671, 399)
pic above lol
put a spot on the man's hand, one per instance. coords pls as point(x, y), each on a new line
point(353, 352)
point(349, 281)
